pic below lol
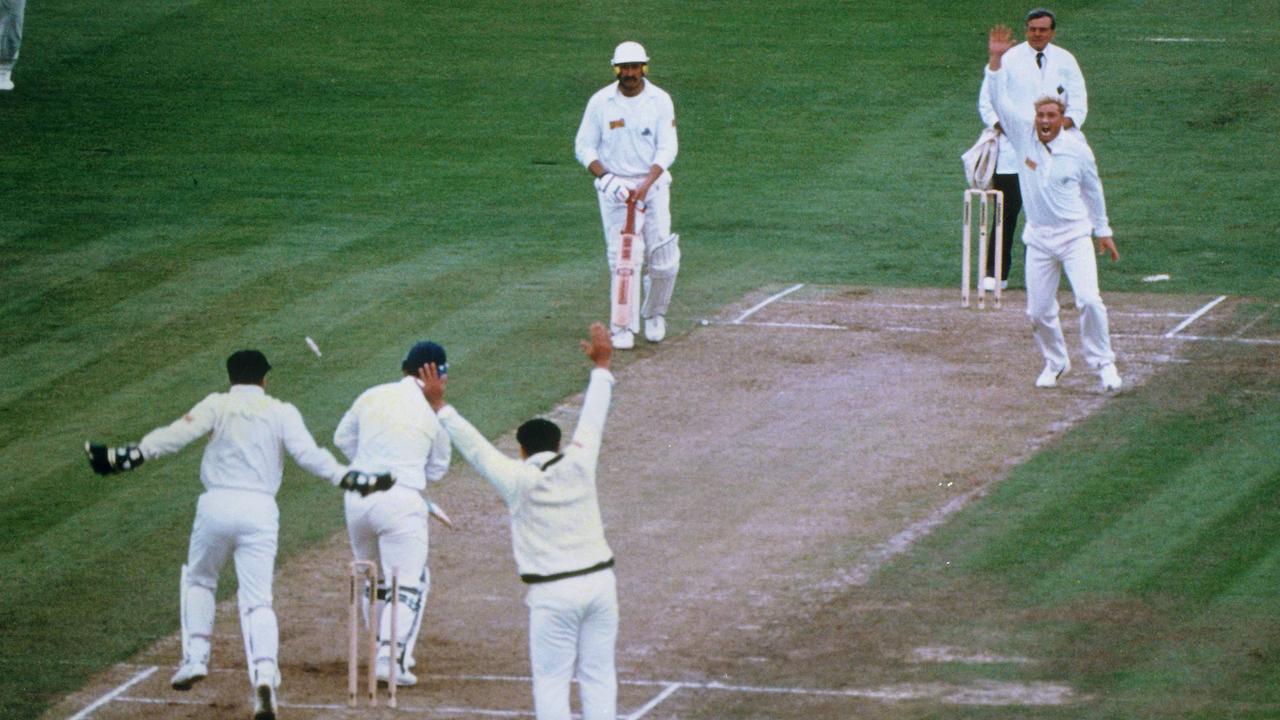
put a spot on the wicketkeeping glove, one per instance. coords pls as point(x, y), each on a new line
point(365, 483)
point(612, 187)
point(111, 460)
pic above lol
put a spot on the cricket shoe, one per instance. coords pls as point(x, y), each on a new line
point(404, 678)
point(1111, 381)
point(264, 701)
point(989, 284)
point(655, 328)
point(1050, 374)
point(189, 673)
point(6, 82)
point(624, 340)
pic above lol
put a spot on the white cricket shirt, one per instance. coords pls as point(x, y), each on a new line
point(628, 135)
point(248, 429)
point(1061, 191)
point(390, 428)
point(555, 512)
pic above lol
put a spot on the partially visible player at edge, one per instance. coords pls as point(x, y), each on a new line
point(1065, 209)
point(558, 540)
point(627, 141)
point(236, 516)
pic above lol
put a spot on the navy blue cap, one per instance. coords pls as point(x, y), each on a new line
point(423, 353)
point(247, 367)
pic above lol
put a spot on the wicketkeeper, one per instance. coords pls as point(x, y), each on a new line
point(627, 140)
point(236, 517)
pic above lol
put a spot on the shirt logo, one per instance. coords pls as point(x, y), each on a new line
point(1031, 163)
point(646, 132)
point(615, 124)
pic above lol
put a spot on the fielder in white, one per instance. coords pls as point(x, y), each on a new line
point(1065, 208)
point(11, 14)
point(1036, 68)
point(558, 540)
point(390, 431)
point(236, 517)
point(627, 140)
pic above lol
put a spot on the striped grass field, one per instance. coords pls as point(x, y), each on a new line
point(181, 179)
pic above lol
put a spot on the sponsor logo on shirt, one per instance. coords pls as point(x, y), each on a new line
point(615, 124)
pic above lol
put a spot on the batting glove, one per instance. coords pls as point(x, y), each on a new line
point(613, 188)
point(111, 460)
point(365, 483)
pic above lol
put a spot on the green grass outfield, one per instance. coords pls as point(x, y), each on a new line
point(182, 178)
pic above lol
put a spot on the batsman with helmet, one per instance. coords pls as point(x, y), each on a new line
point(627, 140)
point(390, 431)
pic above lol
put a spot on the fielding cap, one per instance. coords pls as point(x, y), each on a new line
point(423, 353)
point(629, 52)
point(247, 367)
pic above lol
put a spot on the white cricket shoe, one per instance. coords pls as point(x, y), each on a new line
point(1111, 381)
point(6, 82)
point(655, 328)
point(264, 701)
point(989, 284)
point(189, 673)
point(404, 678)
point(624, 340)
point(1050, 374)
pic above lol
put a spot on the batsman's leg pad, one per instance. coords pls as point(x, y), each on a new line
point(406, 653)
point(660, 283)
point(411, 601)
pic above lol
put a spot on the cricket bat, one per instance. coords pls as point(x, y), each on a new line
point(626, 273)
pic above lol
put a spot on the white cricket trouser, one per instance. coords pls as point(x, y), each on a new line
point(654, 223)
point(574, 622)
point(242, 524)
point(1043, 271)
point(11, 14)
point(390, 528)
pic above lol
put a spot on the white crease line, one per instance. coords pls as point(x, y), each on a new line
point(143, 675)
point(667, 692)
point(1200, 338)
point(1195, 316)
point(766, 301)
point(983, 693)
point(1184, 40)
point(409, 709)
point(906, 329)
point(900, 543)
point(1249, 325)
point(855, 303)
point(1138, 314)
point(802, 326)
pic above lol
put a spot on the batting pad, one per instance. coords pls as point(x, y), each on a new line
point(660, 283)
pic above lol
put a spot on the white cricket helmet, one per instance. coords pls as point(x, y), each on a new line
point(629, 52)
